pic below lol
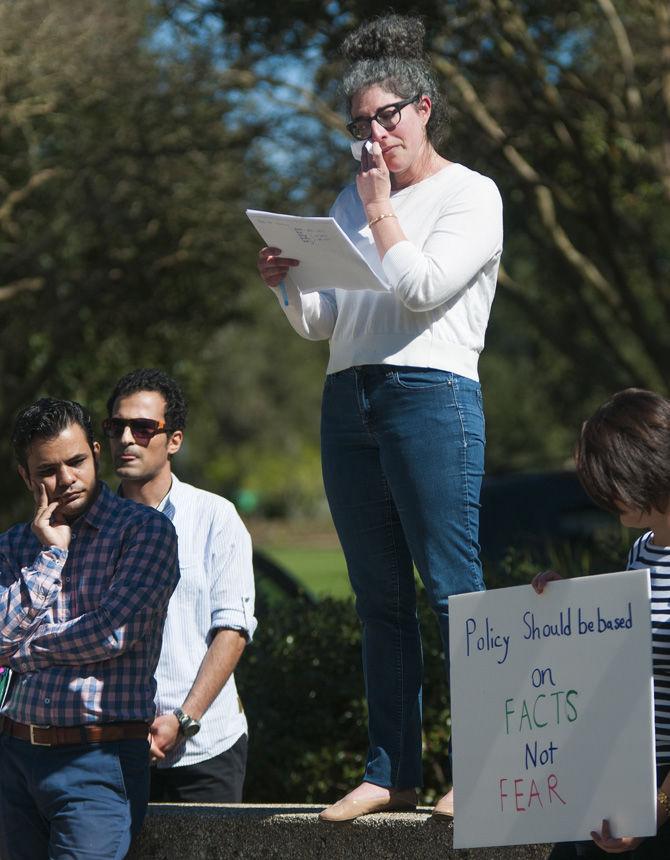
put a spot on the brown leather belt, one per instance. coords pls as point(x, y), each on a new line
point(58, 736)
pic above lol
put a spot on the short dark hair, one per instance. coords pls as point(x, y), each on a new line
point(152, 379)
point(623, 452)
point(45, 419)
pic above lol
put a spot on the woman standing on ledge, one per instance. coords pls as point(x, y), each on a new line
point(402, 423)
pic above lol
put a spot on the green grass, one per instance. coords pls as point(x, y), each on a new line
point(322, 571)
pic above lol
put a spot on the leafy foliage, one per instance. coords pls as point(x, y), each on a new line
point(302, 687)
point(302, 684)
point(568, 109)
point(124, 174)
point(135, 134)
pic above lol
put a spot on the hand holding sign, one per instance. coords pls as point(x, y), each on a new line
point(540, 581)
point(609, 843)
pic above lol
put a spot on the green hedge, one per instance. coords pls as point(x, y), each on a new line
point(302, 686)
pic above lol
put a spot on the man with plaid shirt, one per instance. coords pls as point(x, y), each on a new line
point(84, 590)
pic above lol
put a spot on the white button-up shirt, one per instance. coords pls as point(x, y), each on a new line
point(216, 590)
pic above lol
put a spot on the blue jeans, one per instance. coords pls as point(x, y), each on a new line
point(72, 802)
point(403, 460)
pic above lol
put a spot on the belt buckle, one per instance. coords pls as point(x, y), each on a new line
point(33, 742)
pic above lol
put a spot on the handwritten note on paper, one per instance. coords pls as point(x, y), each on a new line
point(328, 258)
point(552, 711)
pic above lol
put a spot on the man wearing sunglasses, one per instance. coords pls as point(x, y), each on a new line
point(199, 737)
point(82, 636)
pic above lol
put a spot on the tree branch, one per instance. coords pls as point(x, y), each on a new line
point(313, 104)
point(556, 336)
point(663, 22)
point(544, 197)
point(20, 194)
point(633, 94)
point(8, 291)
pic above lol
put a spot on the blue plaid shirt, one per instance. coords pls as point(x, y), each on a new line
point(82, 628)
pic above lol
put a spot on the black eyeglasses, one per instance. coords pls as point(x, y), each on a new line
point(388, 117)
point(143, 429)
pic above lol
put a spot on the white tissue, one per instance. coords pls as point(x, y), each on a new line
point(357, 148)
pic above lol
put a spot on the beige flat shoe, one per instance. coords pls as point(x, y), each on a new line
point(444, 808)
point(348, 808)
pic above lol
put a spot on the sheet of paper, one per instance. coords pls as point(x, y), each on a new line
point(551, 705)
point(328, 258)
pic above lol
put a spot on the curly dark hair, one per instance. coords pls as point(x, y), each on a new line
point(152, 379)
point(388, 51)
point(623, 452)
point(46, 419)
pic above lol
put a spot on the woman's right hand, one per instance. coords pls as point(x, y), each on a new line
point(272, 267)
point(541, 579)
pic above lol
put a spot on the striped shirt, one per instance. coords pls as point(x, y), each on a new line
point(91, 650)
point(645, 554)
point(216, 590)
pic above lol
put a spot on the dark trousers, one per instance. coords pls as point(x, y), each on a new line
point(216, 780)
point(655, 848)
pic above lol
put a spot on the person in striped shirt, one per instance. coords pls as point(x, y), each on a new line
point(199, 737)
point(623, 462)
point(84, 590)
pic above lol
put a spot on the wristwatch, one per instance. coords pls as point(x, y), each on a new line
point(187, 725)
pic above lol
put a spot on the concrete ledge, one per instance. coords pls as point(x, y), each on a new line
point(249, 832)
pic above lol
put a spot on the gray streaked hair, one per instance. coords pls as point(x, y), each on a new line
point(388, 52)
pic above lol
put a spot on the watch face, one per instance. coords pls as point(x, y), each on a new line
point(191, 728)
point(187, 725)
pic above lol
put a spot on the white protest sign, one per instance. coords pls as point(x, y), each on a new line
point(552, 711)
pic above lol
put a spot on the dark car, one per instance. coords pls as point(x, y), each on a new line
point(536, 509)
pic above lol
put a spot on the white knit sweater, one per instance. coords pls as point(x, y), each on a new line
point(442, 279)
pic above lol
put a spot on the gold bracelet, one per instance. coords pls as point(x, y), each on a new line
point(381, 218)
point(663, 801)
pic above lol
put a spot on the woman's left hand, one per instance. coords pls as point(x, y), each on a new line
point(540, 580)
point(373, 179)
point(608, 843)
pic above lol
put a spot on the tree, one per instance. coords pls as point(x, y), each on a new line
point(124, 175)
point(568, 108)
point(572, 108)
point(135, 134)
point(574, 105)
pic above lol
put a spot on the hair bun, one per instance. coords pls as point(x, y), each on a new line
point(399, 36)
